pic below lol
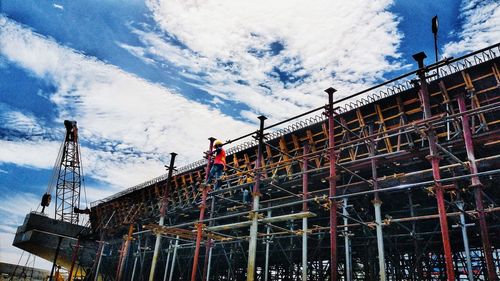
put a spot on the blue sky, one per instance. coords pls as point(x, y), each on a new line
point(145, 78)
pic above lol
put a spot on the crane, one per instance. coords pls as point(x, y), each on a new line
point(66, 178)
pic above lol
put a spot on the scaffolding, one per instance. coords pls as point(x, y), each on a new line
point(398, 185)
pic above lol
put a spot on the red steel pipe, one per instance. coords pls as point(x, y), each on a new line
point(73, 259)
point(434, 158)
point(203, 206)
point(305, 177)
point(476, 184)
point(332, 185)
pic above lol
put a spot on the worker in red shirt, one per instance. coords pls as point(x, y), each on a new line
point(218, 166)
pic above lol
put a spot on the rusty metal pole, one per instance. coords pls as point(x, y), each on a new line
point(73, 259)
point(305, 182)
point(252, 245)
point(377, 203)
point(124, 253)
point(477, 186)
point(54, 263)
point(332, 185)
point(163, 209)
point(434, 159)
point(208, 249)
point(203, 206)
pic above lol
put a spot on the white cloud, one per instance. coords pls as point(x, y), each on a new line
point(40, 154)
point(60, 7)
point(136, 123)
point(19, 121)
point(231, 41)
point(480, 27)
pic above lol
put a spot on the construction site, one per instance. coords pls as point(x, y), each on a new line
point(396, 182)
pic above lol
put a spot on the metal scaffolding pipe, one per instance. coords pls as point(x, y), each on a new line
point(203, 206)
point(169, 250)
point(135, 266)
point(268, 241)
point(208, 251)
point(332, 185)
point(465, 237)
point(476, 184)
point(176, 245)
point(73, 259)
point(305, 179)
point(347, 243)
point(124, 252)
point(102, 244)
point(163, 208)
point(54, 263)
point(434, 158)
point(252, 245)
point(377, 203)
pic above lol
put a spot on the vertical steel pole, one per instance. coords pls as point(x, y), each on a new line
point(377, 203)
point(434, 158)
point(102, 244)
point(465, 237)
point(305, 182)
point(167, 262)
point(163, 208)
point(208, 251)
point(203, 206)
point(347, 243)
point(332, 186)
point(135, 266)
point(73, 260)
point(54, 263)
point(173, 258)
point(252, 245)
point(268, 241)
point(124, 253)
point(416, 255)
point(476, 184)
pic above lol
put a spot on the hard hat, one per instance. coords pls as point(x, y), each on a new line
point(217, 143)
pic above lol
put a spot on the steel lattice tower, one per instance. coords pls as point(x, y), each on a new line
point(69, 176)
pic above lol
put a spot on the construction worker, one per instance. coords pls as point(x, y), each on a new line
point(218, 166)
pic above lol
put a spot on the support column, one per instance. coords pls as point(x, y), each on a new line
point(167, 262)
point(173, 258)
point(135, 263)
point(73, 259)
point(434, 158)
point(465, 237)
point(268, 241)
point(208, 251)
point(252, 247)
point(347, 243)
point(377, 203)
point(332, 186)
point(100, 251)
point(476, 184)
point(203, 206)
point(124, 252)
point(54, 263)
point(305, 182)
point(163, 209)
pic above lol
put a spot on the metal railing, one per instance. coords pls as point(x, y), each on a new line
point(373, 95)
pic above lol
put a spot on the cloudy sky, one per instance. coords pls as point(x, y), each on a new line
point(145, 78)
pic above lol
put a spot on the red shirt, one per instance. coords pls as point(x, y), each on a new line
point(220, 158)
